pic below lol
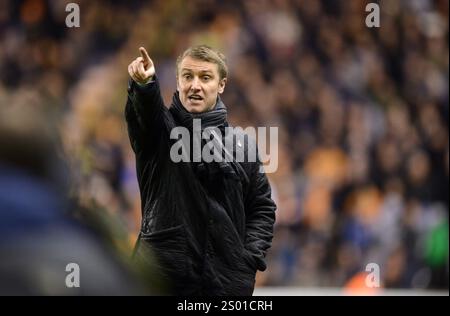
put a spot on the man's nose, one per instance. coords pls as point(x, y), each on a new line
point(196, 84)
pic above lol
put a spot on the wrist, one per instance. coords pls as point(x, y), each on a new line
point(149, 80)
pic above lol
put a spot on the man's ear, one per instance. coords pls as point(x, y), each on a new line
point(178, 86)
point(222, 84)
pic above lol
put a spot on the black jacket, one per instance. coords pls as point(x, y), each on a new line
point(209, 235)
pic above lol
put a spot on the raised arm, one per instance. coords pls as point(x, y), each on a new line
point(145, 107)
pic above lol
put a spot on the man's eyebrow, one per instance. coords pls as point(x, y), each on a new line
point(201, 71)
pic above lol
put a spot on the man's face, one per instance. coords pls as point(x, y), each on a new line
point(198, 83)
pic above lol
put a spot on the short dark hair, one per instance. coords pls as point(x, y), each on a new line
point(29, 141)
point(206, 53)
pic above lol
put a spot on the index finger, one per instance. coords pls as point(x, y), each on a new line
point(144, 54)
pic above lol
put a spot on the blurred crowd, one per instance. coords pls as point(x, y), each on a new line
point(362, 115)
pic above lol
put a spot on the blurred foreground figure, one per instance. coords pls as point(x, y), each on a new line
point(210, 224)
point(38, 239)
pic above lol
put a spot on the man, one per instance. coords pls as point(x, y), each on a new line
point(209, 223)
point(45, 248)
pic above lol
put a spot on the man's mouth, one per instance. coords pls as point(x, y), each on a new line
point(195, 97)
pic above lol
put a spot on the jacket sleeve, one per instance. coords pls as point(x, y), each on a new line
point(144, 112)
point(260, 217)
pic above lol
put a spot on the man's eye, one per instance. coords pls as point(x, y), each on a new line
point(206, 78)
point(187, 76)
